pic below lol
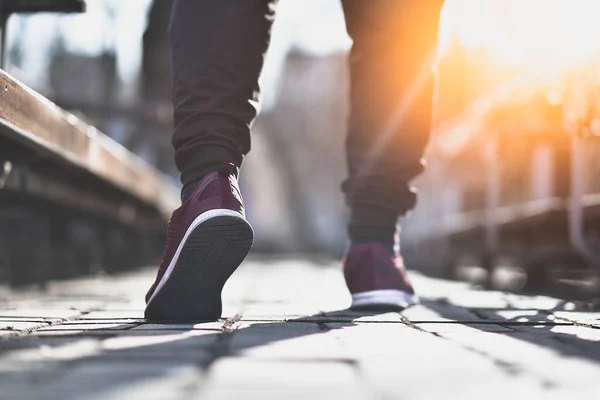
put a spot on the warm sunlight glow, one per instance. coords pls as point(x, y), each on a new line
point(526, 33)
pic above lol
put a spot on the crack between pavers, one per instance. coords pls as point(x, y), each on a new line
point(220, 348)
point(355, 364)
point(493, 322)
point(508, 368)
point(484, 317)
point(229, 326)
point(323, 326)
point(561, 340)
point(513, 324)
point(411, 324)
point(51, 322)
point(315, 321)
point(577, 323)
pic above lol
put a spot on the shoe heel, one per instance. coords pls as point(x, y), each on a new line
point(209, 255)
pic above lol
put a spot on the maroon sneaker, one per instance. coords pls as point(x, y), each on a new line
point(208, 237)
point(376, 278)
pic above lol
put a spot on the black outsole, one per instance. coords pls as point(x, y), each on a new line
point(379, 308)
point(211, 253)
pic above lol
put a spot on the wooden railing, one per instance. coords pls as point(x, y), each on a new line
point(71, 199)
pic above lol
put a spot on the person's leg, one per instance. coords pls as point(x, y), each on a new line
point(391, 103)
point(217, 49)
point(217, 53)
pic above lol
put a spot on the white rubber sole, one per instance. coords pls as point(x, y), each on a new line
point(199, 220)
point(388, 297)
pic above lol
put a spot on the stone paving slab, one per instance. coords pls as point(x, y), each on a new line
point(462, 328)
point(235, 378)
point(286, 341)
point(20, 325)
point(550, 362)
point(98, 321)
point(115, 314)
point(582, 318)
point(87, 339)
point(110, 379)
point(49, 313)
point(82, 326)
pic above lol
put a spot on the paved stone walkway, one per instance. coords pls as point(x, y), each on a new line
point(287, 335)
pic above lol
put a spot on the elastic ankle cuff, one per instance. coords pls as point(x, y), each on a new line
point(368, 216)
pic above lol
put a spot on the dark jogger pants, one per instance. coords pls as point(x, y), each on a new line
point(218, 48)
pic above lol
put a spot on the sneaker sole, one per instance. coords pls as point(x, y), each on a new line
point(213, 247)
point(383, 299)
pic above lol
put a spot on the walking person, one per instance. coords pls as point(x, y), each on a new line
point(217, 53)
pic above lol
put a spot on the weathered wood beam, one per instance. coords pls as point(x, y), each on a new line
point(37, 124)
point(30, 6)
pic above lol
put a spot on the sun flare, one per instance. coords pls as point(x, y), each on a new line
point(527, 33)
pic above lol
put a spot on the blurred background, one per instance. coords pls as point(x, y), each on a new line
point(514, 139)
point(110, 66)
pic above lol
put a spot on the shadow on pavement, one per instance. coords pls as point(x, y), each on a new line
point(177, 356)
point(105, 362)
point(533, 326)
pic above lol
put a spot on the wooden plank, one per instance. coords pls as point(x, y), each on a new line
point(30, 6)
point(526, 214)
point(78, 197)
point(38, 124)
